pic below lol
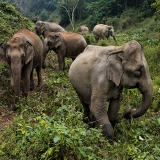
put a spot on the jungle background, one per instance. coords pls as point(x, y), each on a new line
point(48, 123)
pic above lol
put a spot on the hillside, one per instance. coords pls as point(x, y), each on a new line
point(48, 123)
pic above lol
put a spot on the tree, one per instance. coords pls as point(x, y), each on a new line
point(70, 7)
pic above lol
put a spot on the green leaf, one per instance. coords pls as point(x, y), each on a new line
point(56, 139)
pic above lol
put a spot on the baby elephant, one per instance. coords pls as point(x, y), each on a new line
point(84, 29)
point(24, 53)
point(65, 44)
point(99, 74)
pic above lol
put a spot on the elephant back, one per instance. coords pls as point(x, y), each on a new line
point(54, 27)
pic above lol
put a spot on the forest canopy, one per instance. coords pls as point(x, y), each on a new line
point(93, 10)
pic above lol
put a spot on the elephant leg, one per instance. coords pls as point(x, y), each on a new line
point(39, 75)
point(31, 81)
point(61, 62)
point(12, 83)
point(113, 109)
point(98, 110)
point(25, 82)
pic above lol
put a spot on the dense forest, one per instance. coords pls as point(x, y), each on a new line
point(94, 11)
point(48, 124)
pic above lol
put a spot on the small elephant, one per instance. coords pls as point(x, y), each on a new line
point(84, 29)
point(102, 31)
point(99, 74)
point(43, 27)
point(24, 52)
point(65, 44)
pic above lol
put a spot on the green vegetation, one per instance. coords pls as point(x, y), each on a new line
point(48, 123)
point(11, 21)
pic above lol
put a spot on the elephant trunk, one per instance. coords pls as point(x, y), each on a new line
point(16, 73)
point(147, 92)
point(45, 51)
point(114, 37)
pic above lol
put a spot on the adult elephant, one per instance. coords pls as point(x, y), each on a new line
point(84, 29)
point(99, 74)
point(24, 52)
point(42, 27)
point(102, 31)
point(65, 44)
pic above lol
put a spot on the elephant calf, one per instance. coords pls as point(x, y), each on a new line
point(99, 74)
point(24, 52)
point(65, 44)
point(84, 29)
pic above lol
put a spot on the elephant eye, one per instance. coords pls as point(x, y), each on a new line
point(138, 73)
point(49, 43)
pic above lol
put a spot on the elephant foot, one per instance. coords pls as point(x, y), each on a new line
point(108, 131)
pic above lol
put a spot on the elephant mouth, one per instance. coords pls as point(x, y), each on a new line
point(130, 85)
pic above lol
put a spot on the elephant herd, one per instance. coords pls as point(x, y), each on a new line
point(97, 73)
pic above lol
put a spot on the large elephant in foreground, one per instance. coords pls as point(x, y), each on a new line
point(65, 44)
point(99, 74)
point(42, 27)
point(102, 31)
point(24, 52)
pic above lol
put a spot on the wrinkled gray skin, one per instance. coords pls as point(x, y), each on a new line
point(99, 74)
point(83, 29)
point(24, 52)
point(65, 44)
point(102, 31)
point(42, 27)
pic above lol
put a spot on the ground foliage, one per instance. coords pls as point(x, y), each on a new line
point(48, 123)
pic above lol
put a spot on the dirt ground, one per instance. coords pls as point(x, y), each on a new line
point(6, 116)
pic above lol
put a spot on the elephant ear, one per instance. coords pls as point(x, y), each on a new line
point(43, 27)
point(114, 68)
point(29, 52)
point(58, 41)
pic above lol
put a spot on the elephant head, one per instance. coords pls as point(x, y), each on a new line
point(41, 28)
point(111, 33)
point(131, 71)
point(19, 53)
point(37, 27)
point(52, 41)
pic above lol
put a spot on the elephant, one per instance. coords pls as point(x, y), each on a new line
point(65, 44)
point(99, 75)
point(41, 28)
point(24, 52)
point(102, 31)
point(84, 29)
